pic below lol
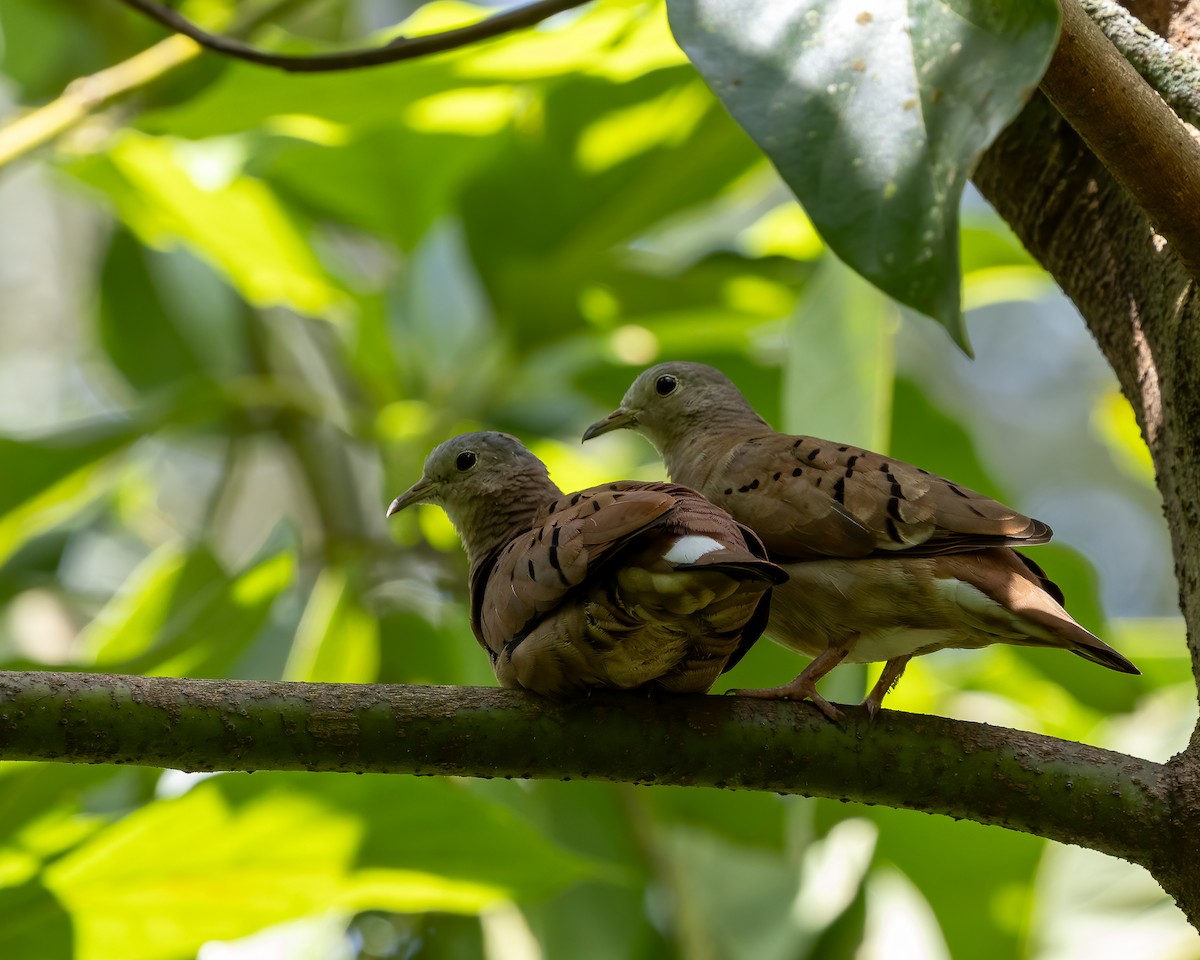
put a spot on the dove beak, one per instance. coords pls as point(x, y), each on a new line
point(616, 420)
point(420, 492)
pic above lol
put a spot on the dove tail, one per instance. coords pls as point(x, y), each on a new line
point(743, 570)
point(1082, 642)
point(1100, 652)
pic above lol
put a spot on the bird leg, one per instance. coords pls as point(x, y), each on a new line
point(804, 686)
point(892, 671)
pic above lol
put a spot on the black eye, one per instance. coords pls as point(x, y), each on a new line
point(665, 384)
point(465, 461)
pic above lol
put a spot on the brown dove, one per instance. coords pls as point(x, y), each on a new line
point(621, 585)
point(886, 561)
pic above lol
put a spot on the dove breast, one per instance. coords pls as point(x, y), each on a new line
point(623, 585)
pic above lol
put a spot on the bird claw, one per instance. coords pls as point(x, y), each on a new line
point(892, 671)
point(794, 691)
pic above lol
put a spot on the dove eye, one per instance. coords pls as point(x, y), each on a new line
point(465, 461)
point(665, 384)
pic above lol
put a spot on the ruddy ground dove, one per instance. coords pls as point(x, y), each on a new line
point(886, 561)
point(620, 585)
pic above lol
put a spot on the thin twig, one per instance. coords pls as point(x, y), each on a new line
point(85, 95)
point(400, 48)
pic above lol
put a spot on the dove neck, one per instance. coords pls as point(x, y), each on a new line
point(691, 458)
point(497, 519)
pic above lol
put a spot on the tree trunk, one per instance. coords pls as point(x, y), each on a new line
point(1140, 303)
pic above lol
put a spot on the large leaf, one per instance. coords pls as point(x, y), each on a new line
point(165, 317)
point(427, 826)
point(245, 853)
point(840, 365)
point(181, 613)
point(337, 640)
point(136, 320)
point(227, 873)
point(981, 917)
point(34, 924)
point(169, 192)
point(875, 113)
point(537, 268)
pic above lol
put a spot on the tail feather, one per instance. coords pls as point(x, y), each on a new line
point(743, 570)
point(1100, 652)
point(1081, 642)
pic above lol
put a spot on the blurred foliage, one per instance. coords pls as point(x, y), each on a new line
point(286, 290)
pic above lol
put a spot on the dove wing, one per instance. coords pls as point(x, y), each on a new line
point(811, 498)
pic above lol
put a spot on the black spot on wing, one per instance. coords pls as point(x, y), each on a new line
point(893, 508)
point(812, 454)
point(532, 575)
point(839, 490)
point(797, 472)
point(892, 532)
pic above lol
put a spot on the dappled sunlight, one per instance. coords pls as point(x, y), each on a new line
point(243, 308)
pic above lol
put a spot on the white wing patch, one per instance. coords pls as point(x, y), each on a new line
point(690, 549)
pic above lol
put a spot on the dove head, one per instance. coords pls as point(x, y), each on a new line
point(488, 483)
point(671, 404)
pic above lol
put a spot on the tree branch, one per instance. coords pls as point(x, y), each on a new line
point(1066, 791)
point(1175, 75)
point(1130, 128)
point(85, 95)
point(401, 48)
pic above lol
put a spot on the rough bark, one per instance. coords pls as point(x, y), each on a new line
point(1138, 298)
point(1054, 788)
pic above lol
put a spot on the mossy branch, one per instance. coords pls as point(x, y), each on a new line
point(1054, 788)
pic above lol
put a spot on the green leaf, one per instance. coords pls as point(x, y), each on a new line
point(840, 365)
point(34, 924)
point(337, 640)
point(428, 826)
point(28, 791)
point(173, 874)
point(34, 463)
point(536, 268)
point(49, 478)
point(609, 40)
point(136, 322)
point(166, 317)
point(181, 613)
point(171, 192)
point(875, 115)
point(393, 181)
point(983, 919)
